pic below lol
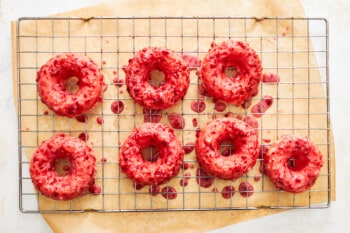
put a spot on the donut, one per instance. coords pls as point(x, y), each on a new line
point(80, 176)
point(158, 171)
point(138, 75)
point(247, 65)
point(244, 139)
point(293, 163)
point(53, 75)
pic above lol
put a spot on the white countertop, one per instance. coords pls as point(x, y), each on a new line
point(333, 219)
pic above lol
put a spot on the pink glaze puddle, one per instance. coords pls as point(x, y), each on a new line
point(176, 121)
point(260, 108)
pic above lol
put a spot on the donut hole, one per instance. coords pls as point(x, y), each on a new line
point(62, 166)
point(227, 148)
point(71, 85)
point(230, 72)
point(157, 78)
point(150, 153)
point(297, 162)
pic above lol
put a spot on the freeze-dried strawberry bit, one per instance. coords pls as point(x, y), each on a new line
point(246, 189)
point(293, 163)
point(142, 171)
point(185, 166)
point(257, 177)
point(194, 122)
point(77, 181)
point(241, 159)
point(247, 67)
point(168, 93)
point(95, 189)
point(52, 79)
point(152, 115)
point(103, 160)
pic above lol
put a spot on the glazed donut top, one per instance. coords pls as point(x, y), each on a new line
point(138, 75)
point(52, 78)
point(243, 59)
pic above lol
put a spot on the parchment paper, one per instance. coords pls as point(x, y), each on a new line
point(185, 221)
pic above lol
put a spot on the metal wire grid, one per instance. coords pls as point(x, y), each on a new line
point(301, 104)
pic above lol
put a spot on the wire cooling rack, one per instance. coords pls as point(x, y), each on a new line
point(287, 47)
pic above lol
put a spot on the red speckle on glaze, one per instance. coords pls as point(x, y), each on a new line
point(188, 147)
point(84, 136)
point(103, 160)
point(239, 117)
point(192, 61)
point(220, 106)
point(246, 189)
point(257, 177)
point(99, 120)
point(191, 166)
point(118, 82)
point(228, 192)
point(169, 193)
point(194, 122)
point(104, 62)
point(270, 78)
point(203, 179)
point(46, 113)
point(183, 182)
point(198, 106)
point(154, 190)
point(260, 108)
point(152, 115)
point(115, 72)
point(176, 121)
point(27, 129)
point(117, 107)
point(215, 190)
point(82, 118)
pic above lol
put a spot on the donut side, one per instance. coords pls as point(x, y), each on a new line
point(247, 66)
point(53, 75)
point(138, 75)
point(293, 163)
point(157, 172)
point(77, 181)
point(245, 142)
